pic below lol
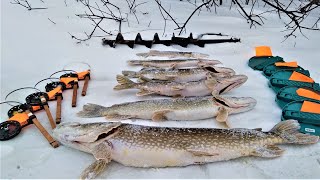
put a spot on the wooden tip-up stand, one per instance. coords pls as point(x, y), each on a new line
point(85, 86)
point(75, 94)
point(43, 131)
point(58, 111)
point(46, 108)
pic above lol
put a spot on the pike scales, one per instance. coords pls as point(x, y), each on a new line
point(180, 75)
point(142, 146)
point(195, 108)
point(210, 86)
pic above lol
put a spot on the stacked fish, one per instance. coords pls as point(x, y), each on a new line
point(192, 80)
point(142, 146)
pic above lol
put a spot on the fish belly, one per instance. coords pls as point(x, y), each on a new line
point(197, 113)
point(191, 77)
point(186, 64)
point(162, 157)
point(200, 90)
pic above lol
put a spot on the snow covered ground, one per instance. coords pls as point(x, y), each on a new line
point(32, 48)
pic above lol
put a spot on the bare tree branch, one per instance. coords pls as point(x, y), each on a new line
point(26, 4)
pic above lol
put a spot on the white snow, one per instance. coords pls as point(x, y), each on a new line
point(32, 48)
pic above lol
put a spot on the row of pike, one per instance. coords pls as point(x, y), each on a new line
point(171, 78)
point(142, 146)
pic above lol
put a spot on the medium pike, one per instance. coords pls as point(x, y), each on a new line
point(173, 109)
point(142, 146)
point(173, 54)
point(210, 86)
point(174, 64)
point(181, 75)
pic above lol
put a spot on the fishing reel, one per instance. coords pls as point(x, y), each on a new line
point(21, 116)
point(41, 99)
point(54, 89)
point(37, 99)
point(70, 80)
point(82, 72)
point(18, 118)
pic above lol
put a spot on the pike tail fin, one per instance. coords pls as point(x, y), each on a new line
point(91, 110)
point(289, 131)
point(124, 83)
point(131, 74)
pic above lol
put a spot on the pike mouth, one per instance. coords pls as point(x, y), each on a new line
point(89, 138)
point(229, 87)
point(221, 102)
point(247, 103)
point(108, 134)
point(101, 137)
point(211, 69)
point(232, 86)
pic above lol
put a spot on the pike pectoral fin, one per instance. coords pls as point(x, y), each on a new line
point(214, 92)
point(201, 153)
point(177, 87)
point(222, 114)
point(118, 117)
point(143, 79)
point(170, 77)
point(210, 82)
point(268, 151)
point(94, 169)
point(173, 65)
point(102, 153)
point(143, 92)
point(160, 115)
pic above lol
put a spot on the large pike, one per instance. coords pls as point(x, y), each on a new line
point(142, 146)
point(173, 64)
point(181, 75)
point(210, 86)
point(196, 108)
point(173, 54)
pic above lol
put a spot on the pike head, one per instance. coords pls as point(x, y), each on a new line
point(84, 137)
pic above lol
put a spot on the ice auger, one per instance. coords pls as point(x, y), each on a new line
point(184, 42)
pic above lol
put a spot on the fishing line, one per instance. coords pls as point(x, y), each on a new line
point(64, 67)
point(45, 80)
point(19, 90)
point(65, 70)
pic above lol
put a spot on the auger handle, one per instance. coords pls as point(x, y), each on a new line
point(58, 111)
point(43, 131)
point(46, 108)
point(75, 94)
point(85, 86)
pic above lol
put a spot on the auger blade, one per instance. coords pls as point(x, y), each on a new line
point(184, 42)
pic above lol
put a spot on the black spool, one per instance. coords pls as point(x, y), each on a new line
point(74, 75)
point(35, 100)
point(9, 129)
point(51, 86)
point(18, 109)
